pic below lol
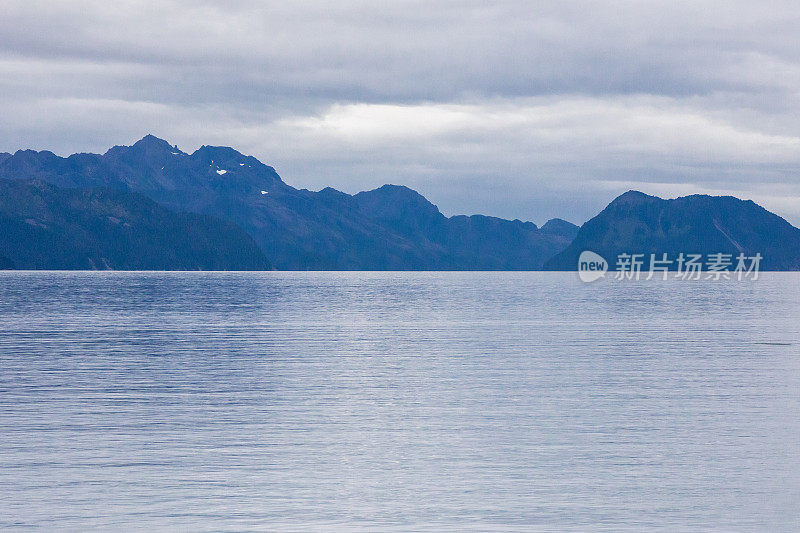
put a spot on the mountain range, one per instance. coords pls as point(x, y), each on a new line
point(389, 228)
point(152, 206)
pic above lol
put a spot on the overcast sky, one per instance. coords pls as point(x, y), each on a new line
point(518, 109)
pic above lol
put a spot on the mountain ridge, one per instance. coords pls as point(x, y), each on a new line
point(635, 222)
point(389, 228)
point(394, 227)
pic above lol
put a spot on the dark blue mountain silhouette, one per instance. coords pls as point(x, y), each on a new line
point(46, 227)
point(390, 228)
point(699, 224)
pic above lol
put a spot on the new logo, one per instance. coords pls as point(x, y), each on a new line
point(591, 266)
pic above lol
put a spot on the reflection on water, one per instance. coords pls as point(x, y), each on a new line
point(235, 401)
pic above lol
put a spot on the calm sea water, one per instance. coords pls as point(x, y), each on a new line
point(398, 401)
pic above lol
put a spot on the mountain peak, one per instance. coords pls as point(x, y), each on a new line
point(396, 202)
point(32, 159)
point(149, 145)
point(217, 154)
point(152, 141)
point(633, 196)
point(401, 193)
point(403, 209)
point(558, 226)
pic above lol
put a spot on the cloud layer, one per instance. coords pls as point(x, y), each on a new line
point(508, 109)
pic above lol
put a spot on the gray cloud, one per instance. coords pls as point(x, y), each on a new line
point(513, 109)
